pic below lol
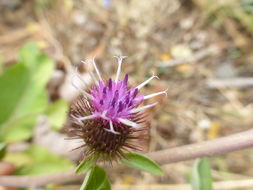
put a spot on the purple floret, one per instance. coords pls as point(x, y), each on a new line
point(115, 99)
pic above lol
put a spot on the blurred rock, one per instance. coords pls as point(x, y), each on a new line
point(79, 17)
point(204, 123)
point(181, 51)
point(187, 23)
point(225, 70)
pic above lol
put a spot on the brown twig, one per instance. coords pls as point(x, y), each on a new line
point(230, 82)
point(210, 148)
point(215, 147)
point(41, 180)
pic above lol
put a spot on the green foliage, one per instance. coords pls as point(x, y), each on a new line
point(86, 164)
point(221, 10)
point(247, 5)
point(201, 175)
point(10, 95)
point(38, 160)
point(23, 98)
point(57, 114)
point(23, 95)
point(96, 179)
point(142, 162)
point(2, 150)
point(43, 4)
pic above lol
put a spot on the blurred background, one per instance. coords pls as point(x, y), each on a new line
point(200, 49)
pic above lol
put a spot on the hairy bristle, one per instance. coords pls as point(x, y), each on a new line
point(107, 117)
point(107, 145)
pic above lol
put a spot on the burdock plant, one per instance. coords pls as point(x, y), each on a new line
point(108, 118)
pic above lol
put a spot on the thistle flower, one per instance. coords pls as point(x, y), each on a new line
point(107, 116)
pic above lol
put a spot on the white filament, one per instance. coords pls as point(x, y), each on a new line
point(155, 94)
point(120, 59)
point(79, 76)
point(146, 82)
point(96, 69)
point(112, 129)
point(103, 115)
point(80, 119)
point(79, 89)
point(135, 110)
point(128, 122)
point(89, 71)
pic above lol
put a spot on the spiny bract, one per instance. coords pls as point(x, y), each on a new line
point(107, 117)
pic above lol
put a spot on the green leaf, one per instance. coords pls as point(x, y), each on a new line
point(12, 83)
point(19, 129)
point(142, 162)
point(201, 175)
point(23, 96)
point(86, 164)
point(96, 179)
point(57, 114)
point(40, 69)
point(2, 150)
point(28, 54)
point(19, 159)
point(38, 160)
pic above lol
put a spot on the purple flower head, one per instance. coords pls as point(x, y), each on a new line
point(114, 100)
point(107, 116)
